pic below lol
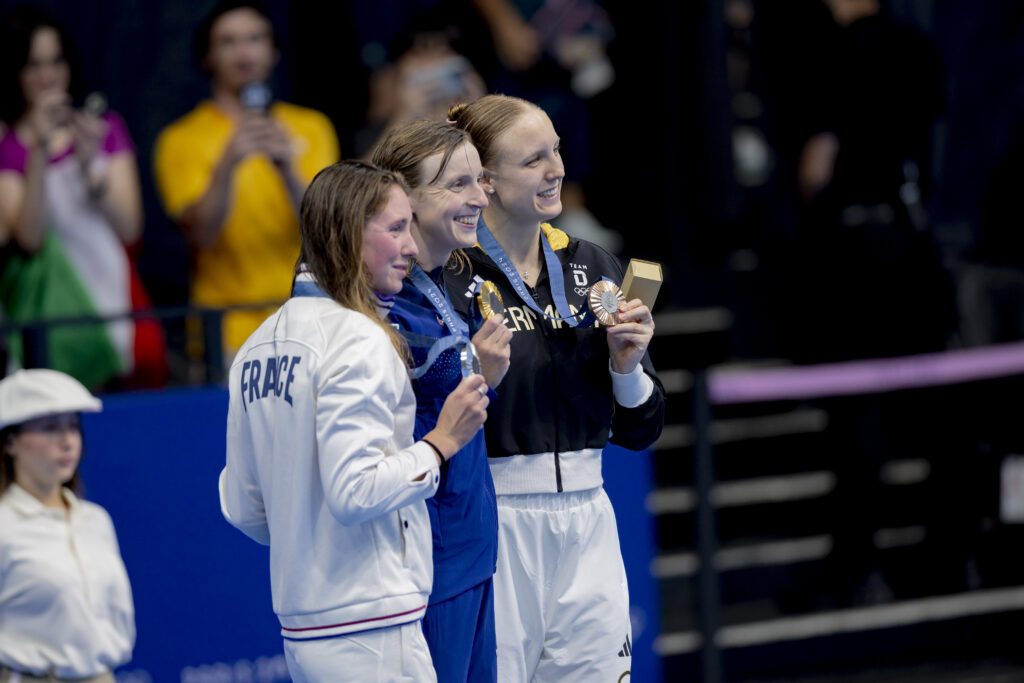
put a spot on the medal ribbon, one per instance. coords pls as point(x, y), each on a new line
point(556, 278)
point(439, 347)
point(440, 301)
point(305, 285)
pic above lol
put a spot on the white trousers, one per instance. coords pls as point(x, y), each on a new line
point(561, 602)
point(387, 655)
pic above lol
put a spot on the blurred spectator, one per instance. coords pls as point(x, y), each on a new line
point(425, 78)
point(5, 253)
point(70, 199)
point(553, 53)
point(573, 34)
point(879, 285)
point(991, 281)
point(233, 170)
point(886, 93)
point(873, 285)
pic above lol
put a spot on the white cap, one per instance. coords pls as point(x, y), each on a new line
point(28, 394)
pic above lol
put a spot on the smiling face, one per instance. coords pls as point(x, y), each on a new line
point(241, 49)
point(527, 172)
point(388, 245)
point(46, 69)
point(448, 206)
point(46, 451)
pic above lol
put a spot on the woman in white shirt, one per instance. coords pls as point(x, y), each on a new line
point(321, 463)
point(66, 609)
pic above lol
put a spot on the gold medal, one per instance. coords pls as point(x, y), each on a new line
point(489, 300)
point(604, 300)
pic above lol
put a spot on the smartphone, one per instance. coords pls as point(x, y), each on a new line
point(444, 78)
point(95, 103)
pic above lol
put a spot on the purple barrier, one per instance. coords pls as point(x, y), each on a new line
point(867, 376)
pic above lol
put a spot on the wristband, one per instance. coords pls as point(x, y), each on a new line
point(436, 450)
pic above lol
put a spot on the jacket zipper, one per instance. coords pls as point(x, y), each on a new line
point(554, 390)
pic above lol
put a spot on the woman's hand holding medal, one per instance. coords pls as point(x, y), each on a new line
point(493, 344)
point(492, 340)
point(628, 339)
point(462, 415)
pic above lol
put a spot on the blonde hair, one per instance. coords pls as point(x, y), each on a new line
point(486, 119)
point(332, 217)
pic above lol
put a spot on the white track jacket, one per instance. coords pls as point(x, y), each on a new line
point(321, 466)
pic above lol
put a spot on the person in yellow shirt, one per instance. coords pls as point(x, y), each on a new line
point(233, 170)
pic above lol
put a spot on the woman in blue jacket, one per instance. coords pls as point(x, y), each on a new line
point(443, 170)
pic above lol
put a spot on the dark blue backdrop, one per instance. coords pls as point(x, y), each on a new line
point(202, 589)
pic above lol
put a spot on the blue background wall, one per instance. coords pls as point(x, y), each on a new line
point(202, 590)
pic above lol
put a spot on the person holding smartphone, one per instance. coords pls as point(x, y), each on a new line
point(70, 198)
point(232, 171)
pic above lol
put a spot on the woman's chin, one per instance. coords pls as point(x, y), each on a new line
point(549, 213)
point(466, 240)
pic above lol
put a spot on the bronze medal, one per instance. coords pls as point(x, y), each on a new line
point(604, 300)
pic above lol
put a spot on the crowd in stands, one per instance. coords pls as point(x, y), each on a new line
point(229, 174)
point(854, 178)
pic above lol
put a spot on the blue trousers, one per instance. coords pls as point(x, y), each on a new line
point(460, 635)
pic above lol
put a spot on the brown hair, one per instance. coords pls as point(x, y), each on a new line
point(333, 214)
point(404, 148)
point(486, 119)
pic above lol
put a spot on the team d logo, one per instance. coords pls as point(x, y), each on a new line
point(580, 278)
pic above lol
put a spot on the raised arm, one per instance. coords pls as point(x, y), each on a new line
point(111, 178)
point(22, 200)
point(363, 475)
point(23, 195)
point(203, 220)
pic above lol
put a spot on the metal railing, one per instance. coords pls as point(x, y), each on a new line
point(35, 334)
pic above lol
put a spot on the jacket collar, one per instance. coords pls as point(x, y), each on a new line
point(28, 505)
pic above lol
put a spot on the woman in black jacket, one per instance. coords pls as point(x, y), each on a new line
point(561, 599)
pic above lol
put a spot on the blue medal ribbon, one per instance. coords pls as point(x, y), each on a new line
point(309, 287)
point(439, 347)
point(556, 278)
point(439, 300)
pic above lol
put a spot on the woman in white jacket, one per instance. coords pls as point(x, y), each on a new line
point(321, 463)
